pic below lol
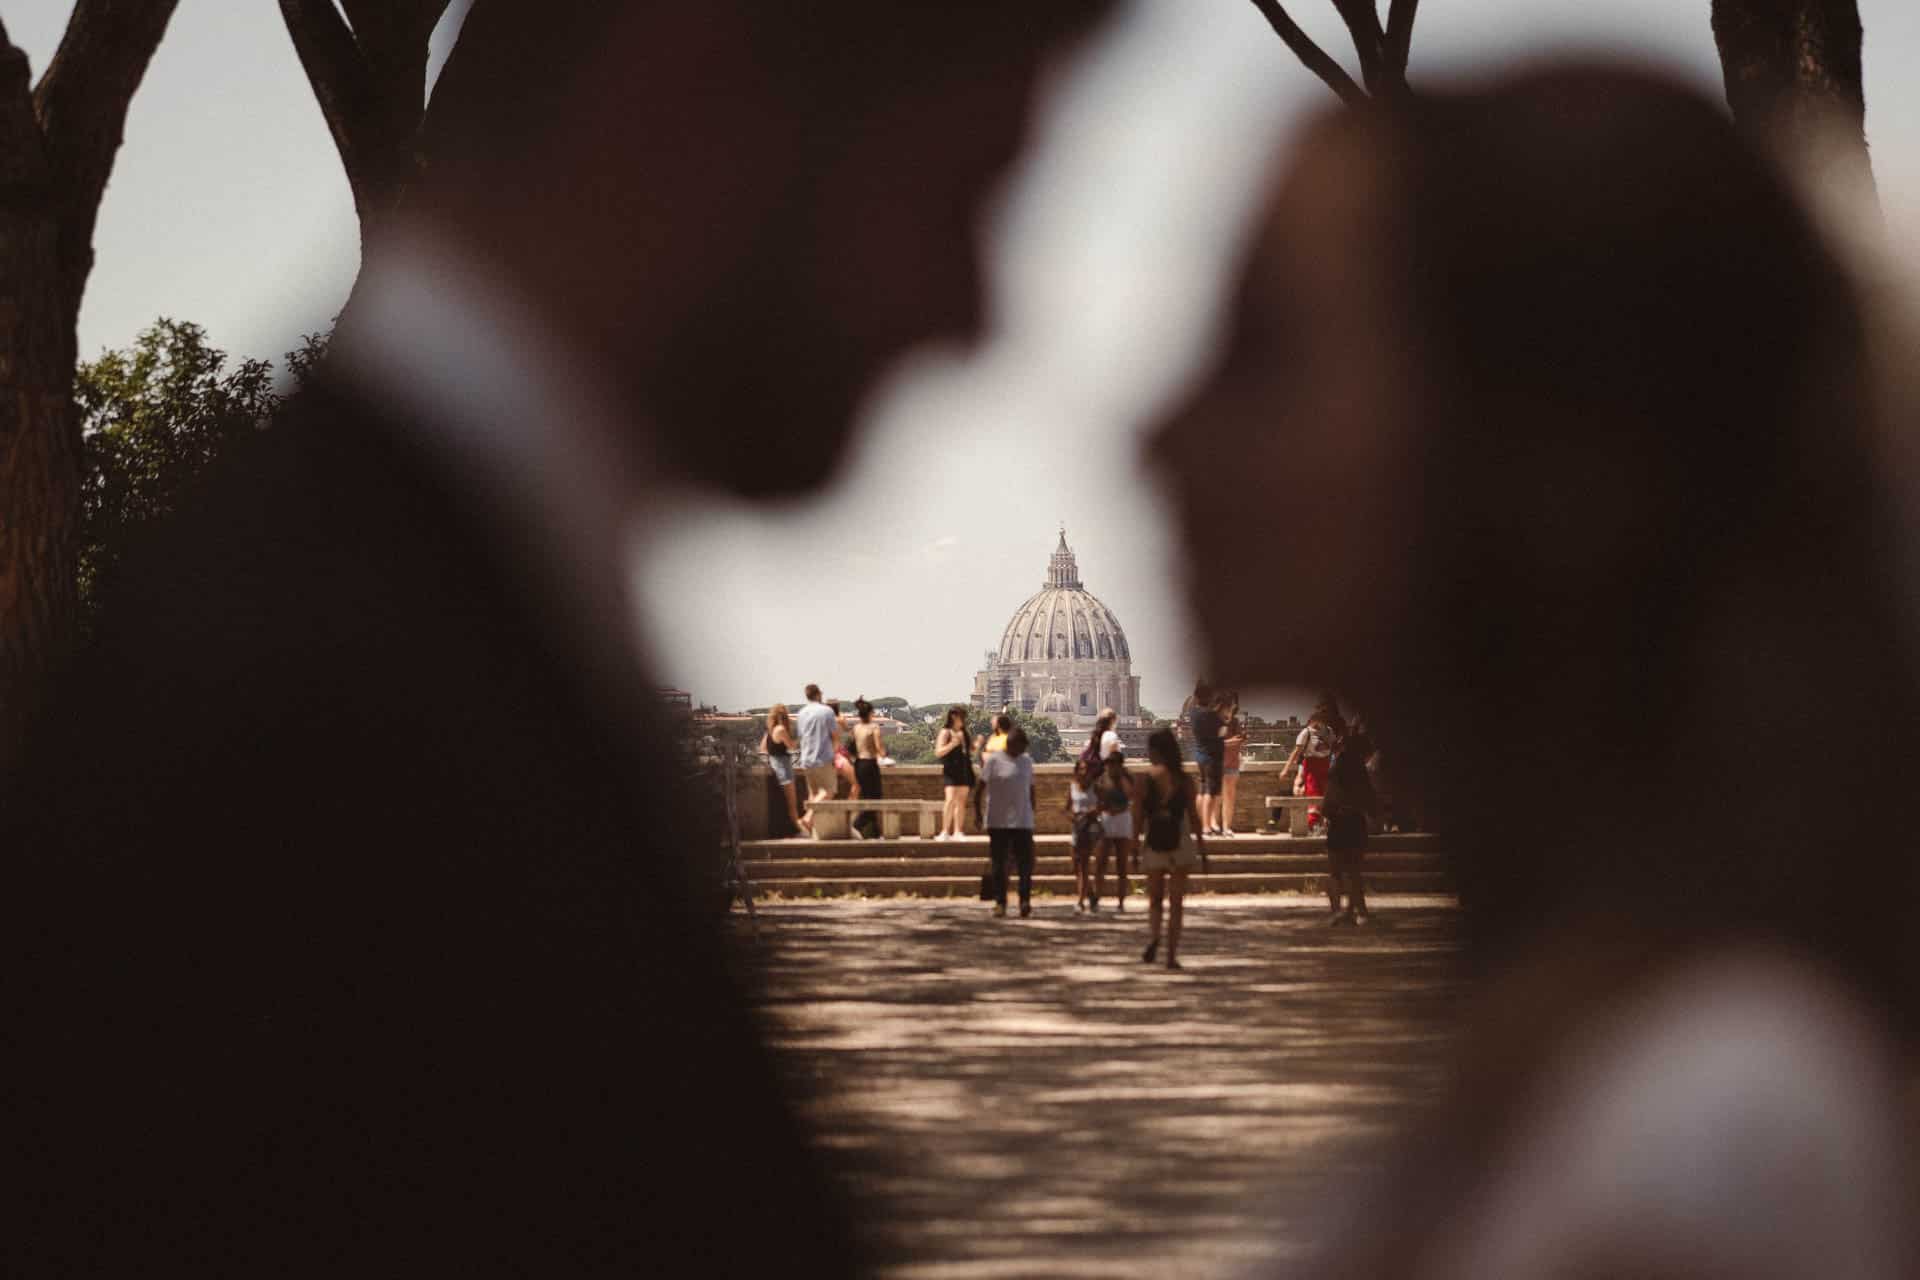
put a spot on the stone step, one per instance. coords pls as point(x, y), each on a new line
point(1062, 886)
point(1060, 864)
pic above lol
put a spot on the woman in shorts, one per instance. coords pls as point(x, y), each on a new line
point(1083, 809)
point(778, 745)
point(1176, 843)
point(1116, 791)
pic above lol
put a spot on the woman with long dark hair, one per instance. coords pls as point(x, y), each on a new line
point(954, 750)
point(1175, 841)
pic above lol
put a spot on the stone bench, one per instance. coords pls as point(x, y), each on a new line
point(833, 819)
point(1296, 807)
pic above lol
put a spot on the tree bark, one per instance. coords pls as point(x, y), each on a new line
point(57, 147)
point(1793, 77)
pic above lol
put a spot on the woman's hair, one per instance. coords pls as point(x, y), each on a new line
point(1017, 741)
point(1650, 498)
point(1202, 691)
point(1118, 760)
point(777, 715)
point(956, 713)
point(1164, 749)
point(863, 709)
point(1108, 718)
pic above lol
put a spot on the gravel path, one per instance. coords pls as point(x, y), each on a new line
point(1025, 1098)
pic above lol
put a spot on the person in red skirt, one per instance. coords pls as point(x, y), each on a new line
point(1312, 755)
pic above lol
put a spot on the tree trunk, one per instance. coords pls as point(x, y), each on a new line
point(57, 146)
point(1792, 70)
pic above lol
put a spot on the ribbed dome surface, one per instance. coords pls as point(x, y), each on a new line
point(1063, 619)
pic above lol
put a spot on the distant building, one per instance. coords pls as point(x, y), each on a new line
point(1062, 656)
point(676, 701)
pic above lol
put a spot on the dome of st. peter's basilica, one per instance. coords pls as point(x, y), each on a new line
point(1063, 655)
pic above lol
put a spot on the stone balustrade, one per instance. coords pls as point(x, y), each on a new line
point(763, 814)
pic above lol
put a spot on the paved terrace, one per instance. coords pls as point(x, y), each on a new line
point(1025, 1098)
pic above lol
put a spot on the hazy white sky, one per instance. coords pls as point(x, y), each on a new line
point(228, 208)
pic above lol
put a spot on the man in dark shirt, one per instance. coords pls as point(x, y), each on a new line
point(1208, 730)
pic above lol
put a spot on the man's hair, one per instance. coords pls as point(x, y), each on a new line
point(813, 693)
point(1017, 741)
point(1202, 691)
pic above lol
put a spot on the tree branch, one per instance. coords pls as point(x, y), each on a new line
point(1399, 34)
point(81, 106)
point(1363, 25)
point(1311, 55)
point(341, 82)
point(370, 80)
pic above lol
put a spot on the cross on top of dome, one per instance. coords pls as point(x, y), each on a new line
point(1062, 570)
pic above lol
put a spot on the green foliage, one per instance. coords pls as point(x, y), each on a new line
point(1043, 736)
point(913, 747)
point(889, 704)
point(1147, 715)
point(153, 418)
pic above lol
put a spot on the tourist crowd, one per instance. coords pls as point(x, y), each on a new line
point(1113, 813)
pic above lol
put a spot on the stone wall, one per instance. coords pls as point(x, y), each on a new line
point(762, 813)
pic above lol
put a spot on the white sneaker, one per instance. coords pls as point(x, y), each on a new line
point(1229, 833)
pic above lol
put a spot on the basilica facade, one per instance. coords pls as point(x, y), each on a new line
point(1062, 656)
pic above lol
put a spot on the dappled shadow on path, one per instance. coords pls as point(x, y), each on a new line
point(1026, 1098)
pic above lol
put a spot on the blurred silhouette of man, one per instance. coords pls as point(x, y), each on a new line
point(1590, 392)
point(362, 906)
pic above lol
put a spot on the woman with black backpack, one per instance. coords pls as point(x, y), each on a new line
point(1175, 842)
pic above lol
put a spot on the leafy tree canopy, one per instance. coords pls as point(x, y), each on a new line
point(153, 417)
point(915, 746)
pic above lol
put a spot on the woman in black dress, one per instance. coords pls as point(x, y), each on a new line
point(954, 751)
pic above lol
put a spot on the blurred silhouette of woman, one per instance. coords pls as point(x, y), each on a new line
point(1590, 386)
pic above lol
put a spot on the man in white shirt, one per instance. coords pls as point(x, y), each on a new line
point(1009, 779)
